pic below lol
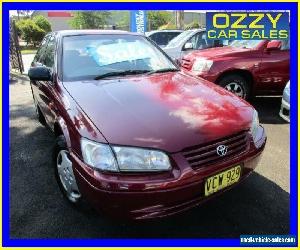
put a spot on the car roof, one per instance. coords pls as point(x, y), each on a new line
point(200, 29)
point(161, 31)
point(94, 32)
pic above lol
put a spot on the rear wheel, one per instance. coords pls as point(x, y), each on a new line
point(64, 171)
point(237, 85)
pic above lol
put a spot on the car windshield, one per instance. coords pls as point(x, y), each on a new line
point(174, 42)
point(245, 44)
point(87, 57)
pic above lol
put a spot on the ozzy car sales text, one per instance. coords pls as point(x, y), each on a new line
point(247, 25)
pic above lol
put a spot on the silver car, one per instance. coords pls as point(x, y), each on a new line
point(285, 103)
point(189, 40)
point(162, 37)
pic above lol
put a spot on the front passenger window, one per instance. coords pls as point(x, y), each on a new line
point(198, 41)
point(39, 55)
point(49, 53)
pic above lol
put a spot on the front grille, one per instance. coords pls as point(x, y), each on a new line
point(186, 63)
point(206, 154)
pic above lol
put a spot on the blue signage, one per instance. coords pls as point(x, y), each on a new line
point(247, 25)
point(138, 21)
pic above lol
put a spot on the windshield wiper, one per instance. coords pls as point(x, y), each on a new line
point(162, 70)
point(121, 73)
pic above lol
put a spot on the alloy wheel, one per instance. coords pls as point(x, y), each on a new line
point(236, 88)
point(66, 176)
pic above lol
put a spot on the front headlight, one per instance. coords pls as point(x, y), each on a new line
point(137, 159)
point(98, 155)
point(201, 65)
point(255, 124)
point(101, 156)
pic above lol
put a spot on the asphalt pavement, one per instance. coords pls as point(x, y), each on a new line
point(259, 205)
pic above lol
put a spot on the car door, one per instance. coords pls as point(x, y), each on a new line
point(47, 88)
point(37, 61)
point(275, 69)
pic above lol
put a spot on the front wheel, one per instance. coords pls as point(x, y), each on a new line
point(237, 85)
point(64, 171)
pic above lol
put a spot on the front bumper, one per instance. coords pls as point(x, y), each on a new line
point(148, 196)
point(285, 110)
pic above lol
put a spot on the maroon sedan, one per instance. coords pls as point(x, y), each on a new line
point(135, 136)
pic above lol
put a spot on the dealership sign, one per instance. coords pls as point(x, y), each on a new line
point(138, 21)
point(247, 25)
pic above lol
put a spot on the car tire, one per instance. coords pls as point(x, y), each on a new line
point(237, 85)
point(64, 172)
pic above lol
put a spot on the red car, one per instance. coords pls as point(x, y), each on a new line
point(135, 136)
point(246, 68)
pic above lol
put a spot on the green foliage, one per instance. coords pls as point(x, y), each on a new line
point(169, 26)
point(157, 19)
point(43, 23)
point(192, 25)
point(122, 19)
point(30, 31)
point(90, 19)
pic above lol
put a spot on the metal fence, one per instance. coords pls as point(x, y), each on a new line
point(15, 57)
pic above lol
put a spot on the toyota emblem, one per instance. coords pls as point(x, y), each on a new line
point(222, 150)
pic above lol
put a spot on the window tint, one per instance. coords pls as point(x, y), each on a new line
point(198, 40)
point(153, 37)
point(48, 59)
point(174, 42)
point(171, 35)
point(42, 49)
point(163, 38)
point(285, 44)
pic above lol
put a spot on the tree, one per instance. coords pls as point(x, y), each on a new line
point(43, 23)
point(90, 19)
point(192, 25)
point(168, 26)
point(158, 18)
point(179, 19)
point(122, 19)
point(30, 31)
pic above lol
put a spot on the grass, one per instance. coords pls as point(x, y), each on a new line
point(29, 49)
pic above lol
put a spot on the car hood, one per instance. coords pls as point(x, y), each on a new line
point(217, 52)
point(169, 111)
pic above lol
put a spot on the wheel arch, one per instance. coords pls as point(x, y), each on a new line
point(241, 72)
point(60, 128)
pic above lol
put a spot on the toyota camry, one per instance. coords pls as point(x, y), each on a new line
point(135, 136)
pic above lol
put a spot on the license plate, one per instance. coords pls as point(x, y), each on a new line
point(222, 180)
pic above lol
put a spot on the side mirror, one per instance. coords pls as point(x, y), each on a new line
point(40, 73)
point(188, 46)
point(274, 45)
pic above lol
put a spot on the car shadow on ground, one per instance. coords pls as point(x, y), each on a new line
point(38, 210)
point(17, 78)
point(268, 109)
